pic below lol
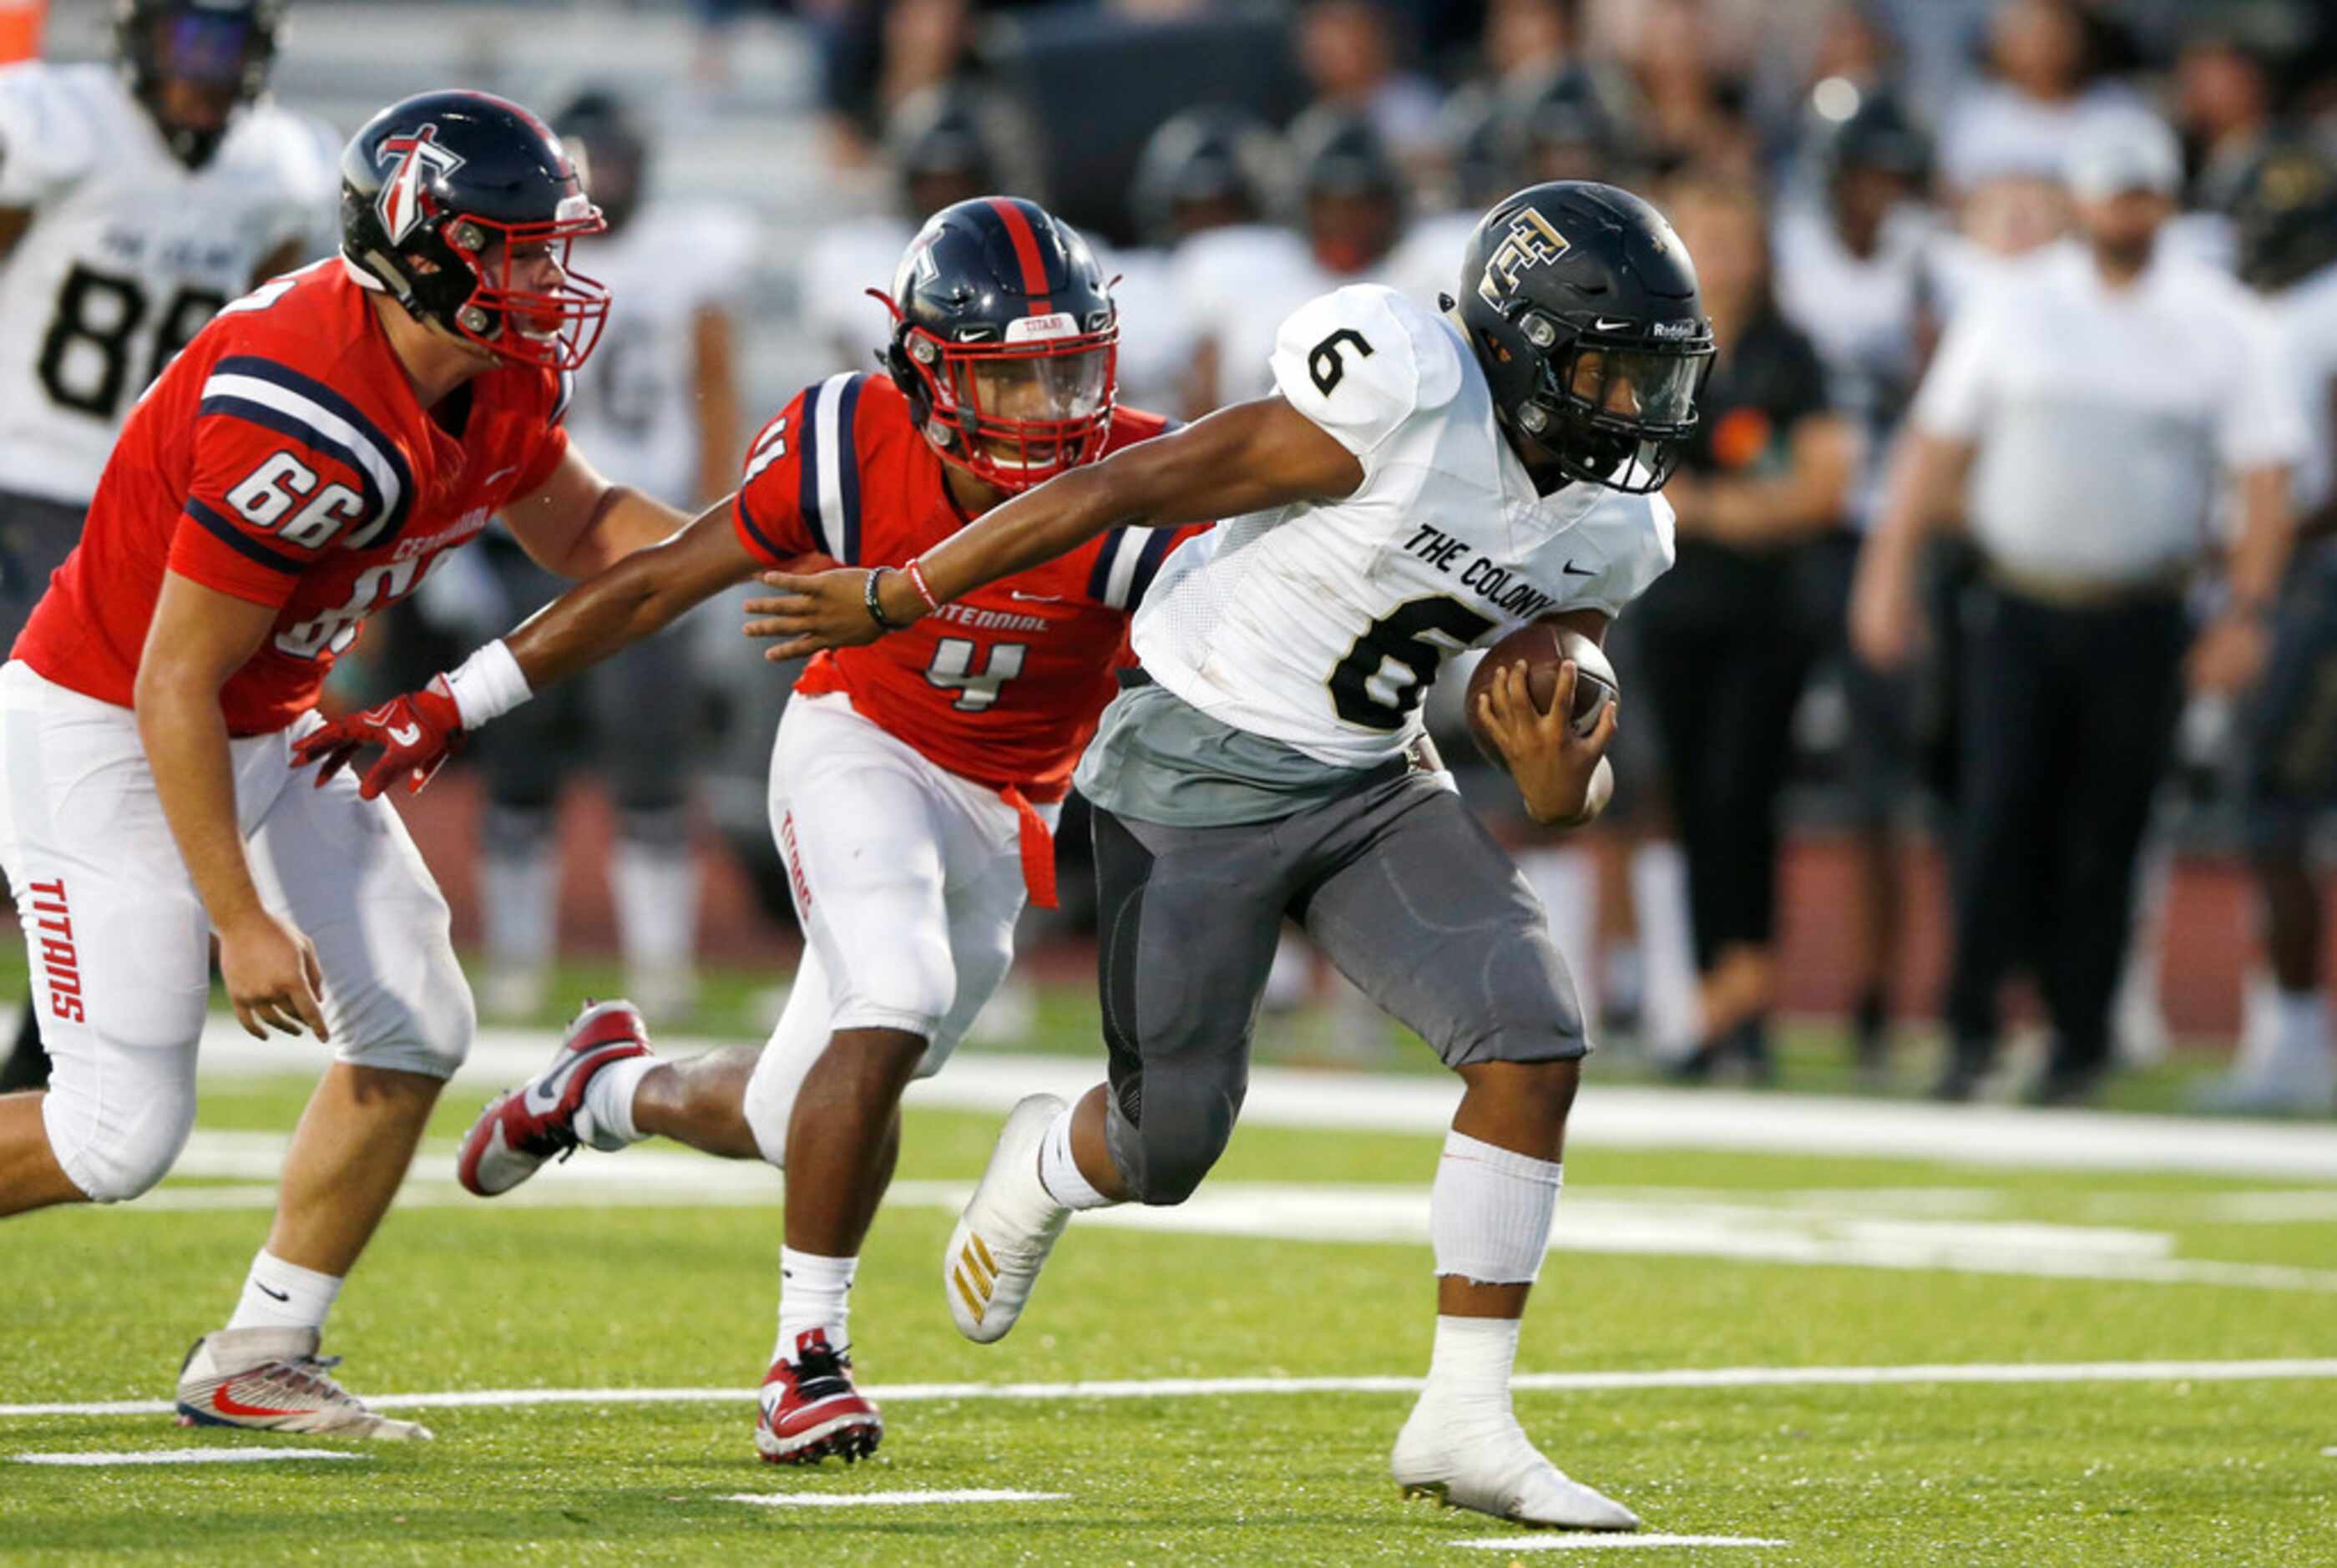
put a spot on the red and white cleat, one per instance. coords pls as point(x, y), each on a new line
point(273, 1380)
point(524, 1127)
point(811, 1410)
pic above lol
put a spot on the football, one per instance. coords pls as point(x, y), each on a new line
point(1541, 647)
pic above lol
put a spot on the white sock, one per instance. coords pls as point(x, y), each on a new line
point(519, 889)
point(280, 1295)
point(1565, 880)
point(1060, 1174)
point(2259, 1022)
point(1668, 1006)
point(814, 1293)
point(656, 884)
point(1489, 1211)
point(608, 1097)
point(2302, 1036)
point(1471, 1363)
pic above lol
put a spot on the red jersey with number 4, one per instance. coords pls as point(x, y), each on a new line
point(1004, 686)
point(284, 458)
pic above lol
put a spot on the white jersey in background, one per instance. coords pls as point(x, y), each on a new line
point(1426, 261)
point(1863, 314)
point(1156, 340)
point(840, 265)
point(1234, 285)
point(2305, 316)
point(636, 404)
point(129, 253)
point(1322, 625)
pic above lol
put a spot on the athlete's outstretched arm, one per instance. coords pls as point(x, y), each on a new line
point(1249, 458)
point(640, 595)
point(578, 524)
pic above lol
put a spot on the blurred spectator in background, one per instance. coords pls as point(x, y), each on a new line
point(1523, 38)
point(2285, 204)
point(1350, 197)
point(1692, 93)
point(1476, 164)
point(2225, 94)
point(2044, 83)
point(941, 146)
point(1723, 647)
point(2093, 394)
point(657, 406)
point(1852, 259)
point(1574, 123)
point(1353, 52)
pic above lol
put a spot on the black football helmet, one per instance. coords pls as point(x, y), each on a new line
point(945, 144)
point(1353, 191)
point(193, 62)
point(1581, 305)
point(1879, 135)
point(604, 138)
point(2284, 212)
point(1006, 341)
point(448, 198)
point(1204, 169)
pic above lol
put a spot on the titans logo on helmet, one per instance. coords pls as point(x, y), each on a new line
point(1531, 243)
point(404, 200)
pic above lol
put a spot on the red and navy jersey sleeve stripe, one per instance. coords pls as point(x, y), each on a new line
point(828, 482)
point(277, 397)
point(242, 543)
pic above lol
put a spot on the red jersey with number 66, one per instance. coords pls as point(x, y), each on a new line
point(1004, 686)
point(283, 458)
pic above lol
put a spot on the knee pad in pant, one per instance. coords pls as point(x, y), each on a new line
point(421, 1021)
point(117, 1145)
point(1165, 1134)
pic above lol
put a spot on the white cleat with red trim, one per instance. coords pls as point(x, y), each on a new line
point(273, 1380)
point(524, 1127)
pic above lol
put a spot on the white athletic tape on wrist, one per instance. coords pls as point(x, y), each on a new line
point(488, 684)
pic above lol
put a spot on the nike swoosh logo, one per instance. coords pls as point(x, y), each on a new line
point(1603, 325)
point(1571, 570)
point(503, 473)
point(1035, 598)
point(406, 735)
point(226, 1404)
point(267, 1290)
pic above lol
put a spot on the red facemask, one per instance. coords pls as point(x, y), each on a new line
point(1019, 412)
point(557, 329)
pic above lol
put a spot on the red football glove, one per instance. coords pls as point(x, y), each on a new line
point(416, 733)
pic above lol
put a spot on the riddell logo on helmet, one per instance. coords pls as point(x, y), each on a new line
point(405, 199)
point(1531, 243)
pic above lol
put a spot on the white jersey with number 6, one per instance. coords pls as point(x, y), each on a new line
point(1323, 624)
point(129, 253)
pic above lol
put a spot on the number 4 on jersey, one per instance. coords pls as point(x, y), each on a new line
point(952, 671)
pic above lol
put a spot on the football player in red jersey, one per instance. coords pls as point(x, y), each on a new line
point(915, 782)
point(305, 461)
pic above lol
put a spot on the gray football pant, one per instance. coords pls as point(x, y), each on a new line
point(1403, 888)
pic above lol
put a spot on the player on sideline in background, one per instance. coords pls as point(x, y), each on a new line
point(306, 461)
point(1418, 486)
point(135, 199)
point(913, 785)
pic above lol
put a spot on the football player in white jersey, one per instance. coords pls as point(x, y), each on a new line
point(135, 199)
point(657, 406)
point(1414, 486)
point(2286, 226)
point(1351, 201)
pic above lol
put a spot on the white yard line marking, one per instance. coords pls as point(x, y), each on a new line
point(1608, 1543)
point(1168, 1388)
point(885, 1499)
point(1816, 1229)
point(2329, 1453)
point(1607, 1116)
point(183, 1457)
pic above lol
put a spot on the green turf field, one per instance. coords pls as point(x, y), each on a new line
point(599, 1288)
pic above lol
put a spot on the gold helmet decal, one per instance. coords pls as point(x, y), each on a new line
point(1531, 243)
